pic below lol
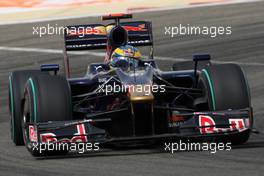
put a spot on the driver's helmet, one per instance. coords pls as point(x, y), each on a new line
point(125, 56)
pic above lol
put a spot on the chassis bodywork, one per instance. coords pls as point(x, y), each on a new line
point(181, 111)
point(119, 117)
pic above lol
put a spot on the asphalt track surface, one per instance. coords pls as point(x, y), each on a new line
point(244, 46)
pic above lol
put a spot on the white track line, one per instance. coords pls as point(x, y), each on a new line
point(102, 54)
point(51, 51)
point(148, 10)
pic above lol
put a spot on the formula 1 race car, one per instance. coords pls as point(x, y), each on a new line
point(196, 100)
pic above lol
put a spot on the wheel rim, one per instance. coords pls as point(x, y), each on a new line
point(25, 120)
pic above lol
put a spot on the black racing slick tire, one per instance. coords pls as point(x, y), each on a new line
point(226, 88)
point(17, 81)
point(47, 98)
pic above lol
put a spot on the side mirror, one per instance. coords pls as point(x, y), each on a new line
point(50, 67)
point(198, 58)
point(201, 57)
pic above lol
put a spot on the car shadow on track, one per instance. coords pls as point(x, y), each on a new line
point(107, 152)
point(255, 144)
point(149, 150)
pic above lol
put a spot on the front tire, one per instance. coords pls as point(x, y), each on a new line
point(226, 88)
point(17, 81)
point(47, 98)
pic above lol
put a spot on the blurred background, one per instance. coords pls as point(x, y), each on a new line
point(21, 49)
point(28, 10)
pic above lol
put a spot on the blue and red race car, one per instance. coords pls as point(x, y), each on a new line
point(196, 100)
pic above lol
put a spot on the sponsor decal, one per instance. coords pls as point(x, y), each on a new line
point(78, 137)
point(81, 131)
point(141, 27)
point(32, 133)
point(48, 137)
point(175, 120)
point(237, 124)
point(207, 125)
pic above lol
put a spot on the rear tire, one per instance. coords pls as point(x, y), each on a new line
point(17, 81)
point(227, 88)
point(47, 98)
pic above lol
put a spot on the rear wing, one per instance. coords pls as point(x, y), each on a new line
point(94, 36)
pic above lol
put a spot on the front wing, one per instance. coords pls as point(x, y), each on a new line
point(197, 124)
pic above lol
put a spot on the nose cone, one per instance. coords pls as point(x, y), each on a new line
point(139, 84)
point(140, 93)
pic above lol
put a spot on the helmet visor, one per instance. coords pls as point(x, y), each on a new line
point(125, 62)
